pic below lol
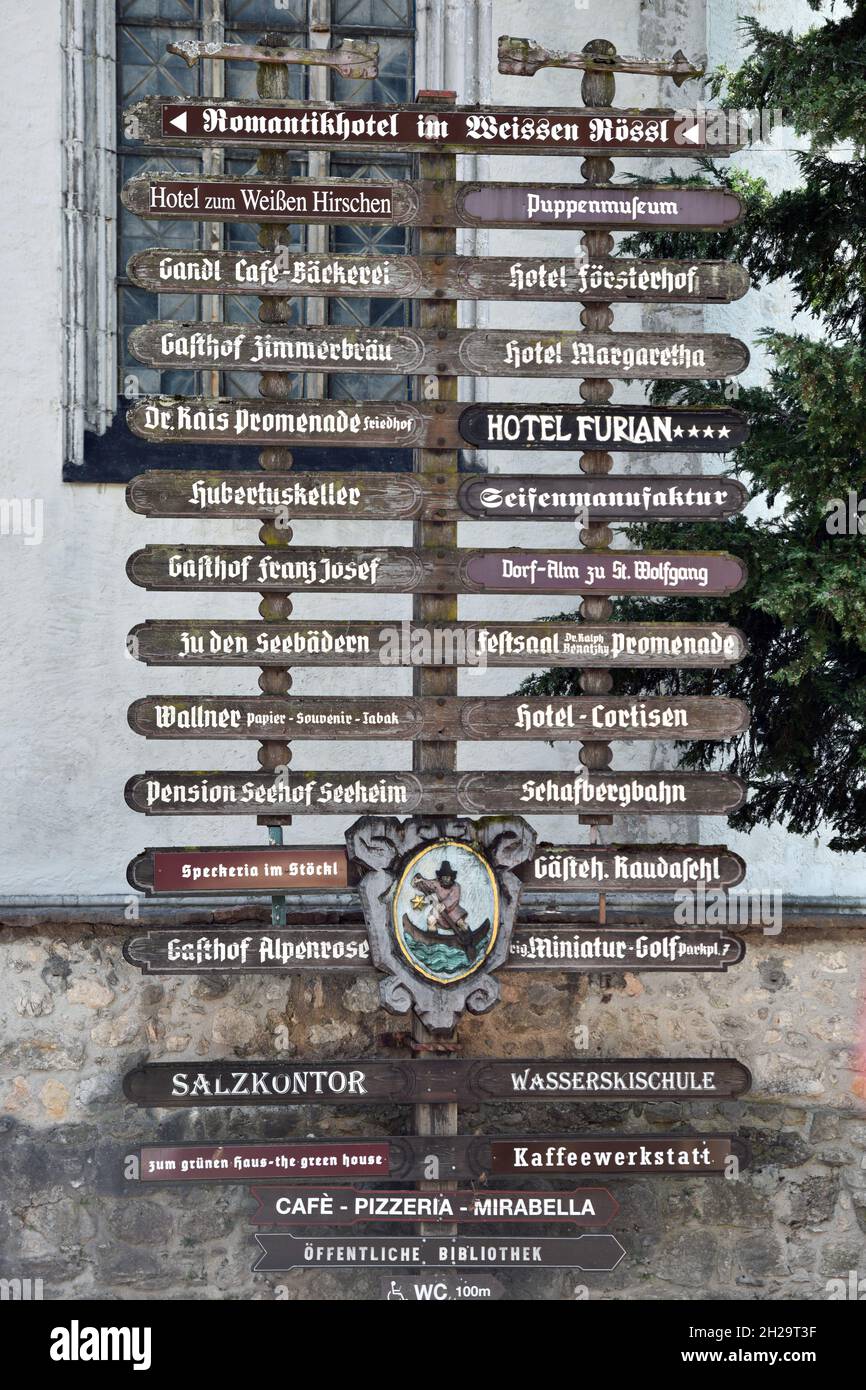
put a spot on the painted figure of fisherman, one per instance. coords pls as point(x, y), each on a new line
point(445, 916)
point(444, 892)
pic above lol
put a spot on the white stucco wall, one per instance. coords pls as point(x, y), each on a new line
point(66, 680)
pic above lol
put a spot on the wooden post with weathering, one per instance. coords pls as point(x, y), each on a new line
point(272, 81)
point(599, 61)
point(440, 465)
point(597, 89)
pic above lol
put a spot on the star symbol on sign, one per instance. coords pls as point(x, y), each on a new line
point(724, 432)
point(694, 432)
point(678, 432)
point(708, 432)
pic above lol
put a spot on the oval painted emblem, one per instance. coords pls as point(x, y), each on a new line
point(445, 911)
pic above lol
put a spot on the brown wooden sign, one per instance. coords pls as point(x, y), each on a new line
point(624, 948)
point(194, 642)
point(323, 1162)
point(244, 868)
point(436, 425)
point(295, 950)
point(214, 198)
point(170, 793)
point(444, 352)
point(468, 1157)
point(282, 1251)
point(632, 868)
point(623, 428)
point(321, 868)
point(444, 717)
point(319, 949)
point(285, 271)
point(351, 1206)
point(287, 125)
point(396, 496)
point(700, 1153)
point(393, 570)
point(462, 1081)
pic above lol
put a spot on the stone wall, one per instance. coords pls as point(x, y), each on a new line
point(76, 1016)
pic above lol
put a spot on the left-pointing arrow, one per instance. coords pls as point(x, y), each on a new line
point(179, 121)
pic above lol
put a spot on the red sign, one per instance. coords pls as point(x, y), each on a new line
point(258, 870)
point(234, 1162)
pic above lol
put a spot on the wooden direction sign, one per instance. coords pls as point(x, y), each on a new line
point(214, 198)
point(322, 868)
point(173, 793)
point(350, 1206)
point(395, 570)
point(326, 950)
point(443, 717)
point(632, 868)
point(282, 1251)
point(244, 642)
point(282, 124)
point(285, 271)
point(462, 1081)
point(436, 425)
point(443, 352)
point(468, 1157)
point(415, 496)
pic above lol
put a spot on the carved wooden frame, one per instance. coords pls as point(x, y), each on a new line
point(380, 846)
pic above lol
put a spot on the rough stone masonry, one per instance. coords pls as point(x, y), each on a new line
point(76, 1016)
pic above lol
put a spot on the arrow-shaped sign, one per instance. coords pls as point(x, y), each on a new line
point(282, 1251)
point(179, 121)
point(524, 58)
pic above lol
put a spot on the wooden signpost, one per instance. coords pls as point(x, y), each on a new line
point(460, 1080)
point(438, 858)
point(446, 352)
point(393, 570)
point(193, 642)
point(302, 274)
point(433, 793)
point(445, 717)
point(409, 496)
point(344, 950)
point(313, 868)
point(351, 1206)
point(443, 425)
point(287, 125)
point(466, 1157)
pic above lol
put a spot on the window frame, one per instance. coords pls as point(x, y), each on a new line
point(97, 446)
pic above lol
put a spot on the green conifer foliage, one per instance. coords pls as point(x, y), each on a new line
point(803, 609)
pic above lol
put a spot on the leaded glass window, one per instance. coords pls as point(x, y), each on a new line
point(144, 68)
